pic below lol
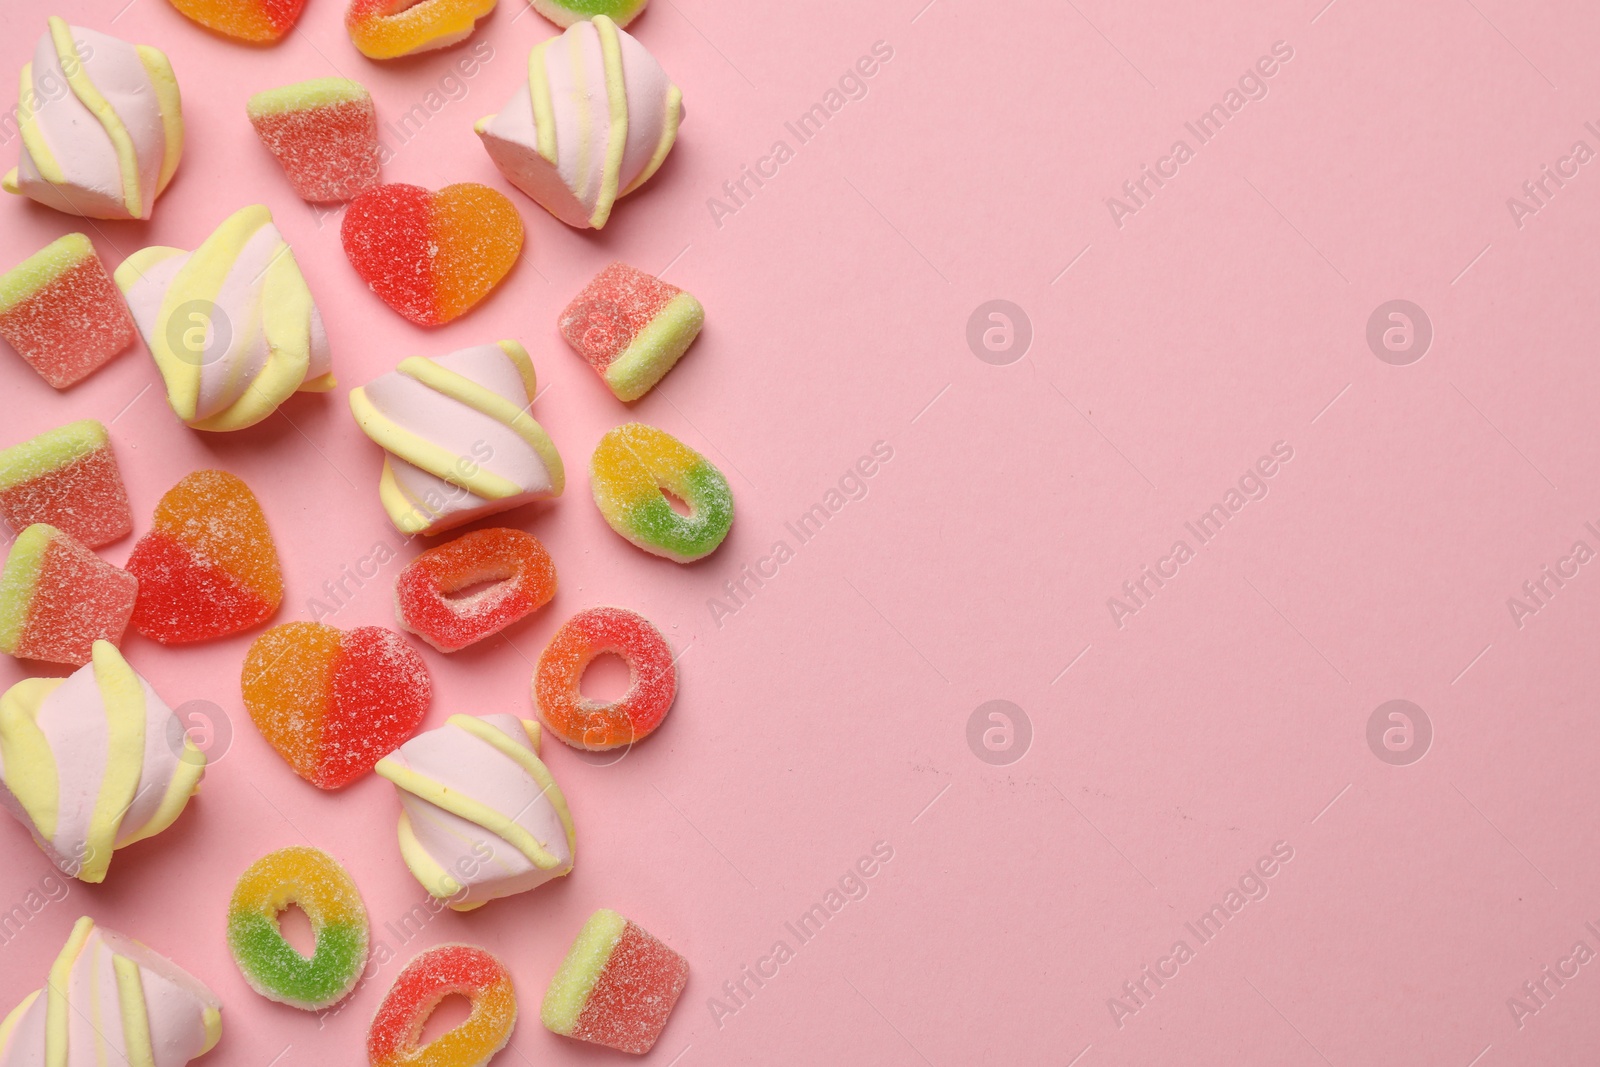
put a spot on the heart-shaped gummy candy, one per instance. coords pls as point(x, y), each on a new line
point(431, 256)
point(334, 702)
point(208, 567)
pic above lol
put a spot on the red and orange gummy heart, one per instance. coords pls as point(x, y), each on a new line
point(431, 256)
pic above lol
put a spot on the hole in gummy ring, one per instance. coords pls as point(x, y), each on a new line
point(677, 503)
point(295, 926)
point(448, 1014)
point(472, 589)
point(606, 679)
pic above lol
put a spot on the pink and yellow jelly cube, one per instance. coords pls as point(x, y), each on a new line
point(616, 987)
point(631, 328)
point(324, 133)
point(60, 310)
point(57, 598)
point(67, 477)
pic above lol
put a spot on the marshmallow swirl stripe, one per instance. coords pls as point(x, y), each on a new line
point(460, 441)
point(111, 1000)
point(594, 122)
point(88, 765)
point(315, 881)
point(473, 787)
point(109, 146)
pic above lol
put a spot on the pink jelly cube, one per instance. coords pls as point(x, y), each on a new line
point(60, 310)
point(631, 328)
point(617, 986)
point(324, 133)
point(67, 477)
point(57, 598)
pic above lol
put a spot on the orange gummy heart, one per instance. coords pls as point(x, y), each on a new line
point(432, 256)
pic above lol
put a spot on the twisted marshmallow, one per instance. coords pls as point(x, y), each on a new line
point(110, 999)
point(101, 124)
point(92, 762)
point(231, 325)
point(460, 441)
point(481, 817)
point(595, 119)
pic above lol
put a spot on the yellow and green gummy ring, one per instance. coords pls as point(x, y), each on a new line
point(323, 890)
point(633, 468)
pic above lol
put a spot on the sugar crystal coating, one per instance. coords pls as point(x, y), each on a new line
point(617, 987)
point(334, 702)
point(431, 256)
point(57, 598)
point(598, 725)
point(631, 328)
point(323, 890)
point(566, 12)
point(258, 21)
point(208, 567)
point(522, 573)
point(384, 29)
point(324, 133)
point(464, 970)
point(62, 313)
point(631, 467)
point(67, 477)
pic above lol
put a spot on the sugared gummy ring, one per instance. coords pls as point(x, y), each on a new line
point(566, 12)
point(315, 881)
point(592, 724)
point(632, 465)
point(383, 29)
point(438, 973)
point(523, 575)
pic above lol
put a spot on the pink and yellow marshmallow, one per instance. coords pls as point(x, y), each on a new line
point(101, 124)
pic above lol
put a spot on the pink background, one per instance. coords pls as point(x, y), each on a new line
point(830, 712)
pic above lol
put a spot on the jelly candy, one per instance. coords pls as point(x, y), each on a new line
point(323, 890)
point(57, 598)
point(631, 328)
point(334, 702)
point(431, 256)
point(208, 567)
point(60, 310)
point(616, 987)
point(523, 577)
point(67, 477)
point(463, 970)
point(324, 133)
point(631, 466)
point(595, 725)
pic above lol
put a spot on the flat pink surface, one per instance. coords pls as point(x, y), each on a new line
point(1172, 747)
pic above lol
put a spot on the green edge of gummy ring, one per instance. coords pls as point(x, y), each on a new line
point(271, 962)
point(656, 522)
